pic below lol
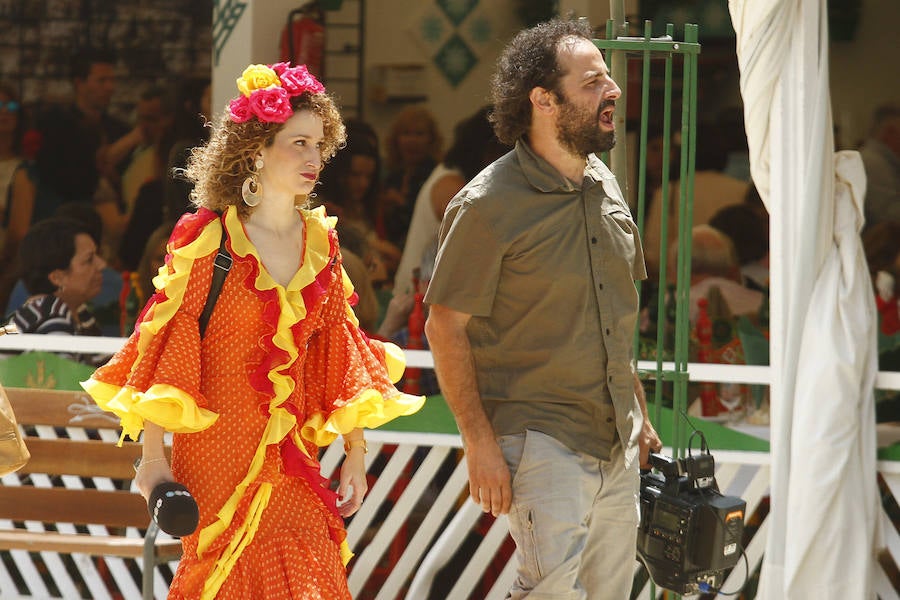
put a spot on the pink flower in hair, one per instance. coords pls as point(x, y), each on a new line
point(279, 68)
point(297, 80)
point(239, 109)
point(266, 92)
point(272, 105)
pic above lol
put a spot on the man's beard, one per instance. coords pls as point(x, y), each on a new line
point(578, 130)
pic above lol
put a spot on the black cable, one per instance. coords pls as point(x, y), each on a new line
point(704, 447)
point(711, 590)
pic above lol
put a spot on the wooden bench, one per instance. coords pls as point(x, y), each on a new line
point(75, 496)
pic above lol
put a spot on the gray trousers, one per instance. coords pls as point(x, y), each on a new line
point(574, 520)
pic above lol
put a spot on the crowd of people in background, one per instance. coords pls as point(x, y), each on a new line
point(124, 183)
point(121, 181)
point(76, 162)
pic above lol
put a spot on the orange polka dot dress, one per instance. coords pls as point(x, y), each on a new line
point(280, 372)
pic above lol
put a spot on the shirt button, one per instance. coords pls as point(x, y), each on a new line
point(593, 240)
point(600, 285)
point(610, 378)
point(607, 331)
point(609, 419)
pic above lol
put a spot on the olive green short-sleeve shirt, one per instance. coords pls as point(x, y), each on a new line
point(547, 269)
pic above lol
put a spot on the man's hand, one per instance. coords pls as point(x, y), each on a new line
point(648, 441)
point(489, 479)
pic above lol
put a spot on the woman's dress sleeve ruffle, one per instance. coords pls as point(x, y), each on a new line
point(349, 377)
point(156, 374)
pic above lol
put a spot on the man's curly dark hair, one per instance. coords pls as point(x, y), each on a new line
point(527, 62)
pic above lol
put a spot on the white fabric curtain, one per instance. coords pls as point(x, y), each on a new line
point(823, 338)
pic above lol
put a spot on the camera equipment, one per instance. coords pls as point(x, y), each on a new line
point(689, 534)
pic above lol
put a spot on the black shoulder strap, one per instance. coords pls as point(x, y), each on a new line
point(221, 266)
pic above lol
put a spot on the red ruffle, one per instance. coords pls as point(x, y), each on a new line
point(186, 230)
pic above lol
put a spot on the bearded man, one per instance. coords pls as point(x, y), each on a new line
point(533, 310)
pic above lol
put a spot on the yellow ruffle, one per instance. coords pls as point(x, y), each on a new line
point(242, 538)
point(163, 404)
point(279, 426)
point(293, 308)
point(346, 553)
point(394, 360)
point(348, 291)
point(368, 410)
point(316, 255)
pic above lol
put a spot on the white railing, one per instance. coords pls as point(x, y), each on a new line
point(886, 380)
point(417, 530)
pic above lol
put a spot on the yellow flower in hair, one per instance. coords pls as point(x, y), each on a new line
point(257, 77)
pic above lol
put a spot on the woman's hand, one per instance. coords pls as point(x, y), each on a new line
point(353, 486)
point(150, 473)
point(154, 466)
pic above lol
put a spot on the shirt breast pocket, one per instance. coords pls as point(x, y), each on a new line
point(624, 240)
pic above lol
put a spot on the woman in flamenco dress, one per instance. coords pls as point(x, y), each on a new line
point(282, 368)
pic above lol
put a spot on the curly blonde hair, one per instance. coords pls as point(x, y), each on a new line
point(219, 168)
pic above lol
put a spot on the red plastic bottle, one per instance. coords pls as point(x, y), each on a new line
point(416, 325)
point(709, 397)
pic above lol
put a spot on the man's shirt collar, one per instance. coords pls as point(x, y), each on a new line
point(545, 178)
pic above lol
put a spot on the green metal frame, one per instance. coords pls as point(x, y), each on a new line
point(644, 49)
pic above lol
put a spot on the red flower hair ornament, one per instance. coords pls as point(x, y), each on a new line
point(266, 92)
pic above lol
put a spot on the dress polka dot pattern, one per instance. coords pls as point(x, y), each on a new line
point(270, 356)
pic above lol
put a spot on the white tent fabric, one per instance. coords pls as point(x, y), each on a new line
point(823, 342)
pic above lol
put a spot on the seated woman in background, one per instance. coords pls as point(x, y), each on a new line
point(474, 147)
point(350, 190)
point(105, 305)
point(414, 147)
point(61, 269)
point(349, 185)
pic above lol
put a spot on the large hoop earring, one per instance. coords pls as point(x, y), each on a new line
point(251, 191)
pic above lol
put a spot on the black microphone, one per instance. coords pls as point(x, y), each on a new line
point(174, 509)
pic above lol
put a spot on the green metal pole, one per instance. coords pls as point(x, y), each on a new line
point(661, 341)
point(685, 226)
point(618, 65)
point(642, 175)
